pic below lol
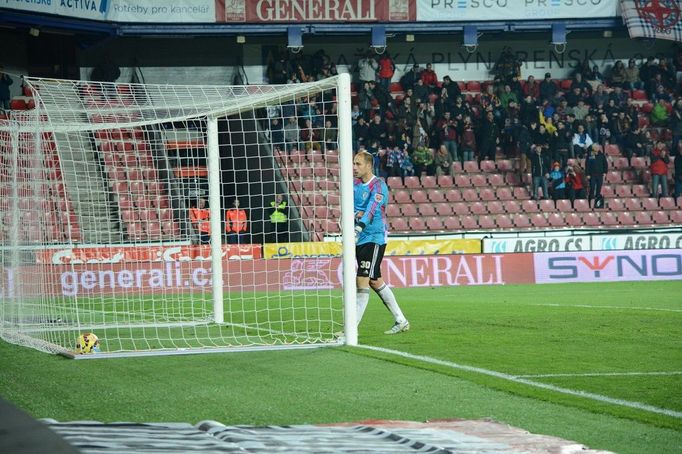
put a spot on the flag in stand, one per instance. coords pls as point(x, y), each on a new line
point(653, 19)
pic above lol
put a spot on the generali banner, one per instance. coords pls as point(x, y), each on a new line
point(163, 277)
point(489, 10)
point(294, 11)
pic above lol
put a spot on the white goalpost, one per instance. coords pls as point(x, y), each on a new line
point(178, 219)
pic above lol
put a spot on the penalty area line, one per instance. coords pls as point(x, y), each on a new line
point(525, 381)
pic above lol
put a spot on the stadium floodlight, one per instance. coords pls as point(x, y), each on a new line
point(470, 38)
point(559, 37)
point(295, 39)
point(103, 228)
point(378, 42)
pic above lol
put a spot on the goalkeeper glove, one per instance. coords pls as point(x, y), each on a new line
point(358, 228)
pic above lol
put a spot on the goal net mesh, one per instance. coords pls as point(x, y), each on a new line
point(107, 210)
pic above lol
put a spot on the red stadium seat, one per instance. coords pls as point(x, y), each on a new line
point(608, 191)
point(434, 223)
point(660, 218)
point(478, 208)
point(608, 219)
point(399, 225)
point(409, 210)
point(402, 196)
point(632, 204)
point(496, 179)
point(624, 190)
point(426, 209)
point(445, 181)
point(556, 220)
point(521, 220)
point(512, 207)
point(615, 204)
point(487, 222)
point(649, 204)
point(625, 218)
point(504, 193)
point(460, 208)
point(676, 216)
point(487, 194)
point(521, 193)
point(530, 206)
point(640, 190)
point(505, 165)
point(512, 179)
point(620, 163)
point(591, 219)
point(428, 182)
point(614, 177)
point(539, 220)
point(643, 218)
point(417, 224)
point(412, 183)
point(667, 203)
point(469, 223)
point(474, 86)
point(639, 163)
point(495, 207)
point(470, 195)
point(453, 195)
point(503, 221)
point(462, 180)
point(630, 176)
point(393, 210)
point(487, 166)
point(547, 206)
point(471, 167)
point(564, 205)
point(452, 223)
point(639, 95)
point(419, 196)
point(444, 209)
point(573, 220)
point(479, 180)
point(436, 195)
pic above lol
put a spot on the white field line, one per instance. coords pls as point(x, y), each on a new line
point(525, 381)
point(600, 374)
point(609, 307)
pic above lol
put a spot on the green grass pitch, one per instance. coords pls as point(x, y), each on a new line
point(621, 342)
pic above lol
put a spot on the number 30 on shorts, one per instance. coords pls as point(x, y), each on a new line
point(365, 264)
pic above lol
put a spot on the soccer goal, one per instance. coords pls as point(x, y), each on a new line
point(169, 219)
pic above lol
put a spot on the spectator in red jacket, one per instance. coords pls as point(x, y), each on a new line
point(659, 170)
point(429, 77)
point(386, 71)
point(575, 184)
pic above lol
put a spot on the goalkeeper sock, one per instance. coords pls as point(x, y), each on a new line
point(388, 298)
point(363, 300)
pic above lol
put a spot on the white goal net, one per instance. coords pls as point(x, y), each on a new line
point(169, 218)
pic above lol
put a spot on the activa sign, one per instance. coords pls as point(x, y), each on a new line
point(608, 266)
point(536, 244)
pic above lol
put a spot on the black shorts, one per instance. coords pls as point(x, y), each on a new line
point(369, 256)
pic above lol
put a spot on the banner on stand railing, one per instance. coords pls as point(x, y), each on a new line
point(494, 10)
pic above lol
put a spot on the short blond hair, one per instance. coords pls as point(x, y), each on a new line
point(365, 156)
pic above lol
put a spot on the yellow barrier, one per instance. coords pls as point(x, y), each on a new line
point(415, 247)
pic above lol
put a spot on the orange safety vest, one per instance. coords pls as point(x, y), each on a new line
point(235, 220)
point(199, 217)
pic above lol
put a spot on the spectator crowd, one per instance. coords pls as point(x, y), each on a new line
point(558, 129)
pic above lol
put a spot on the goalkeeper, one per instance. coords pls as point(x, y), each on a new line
point(371, 198)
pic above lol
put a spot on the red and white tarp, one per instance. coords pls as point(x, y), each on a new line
point(658, 19)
